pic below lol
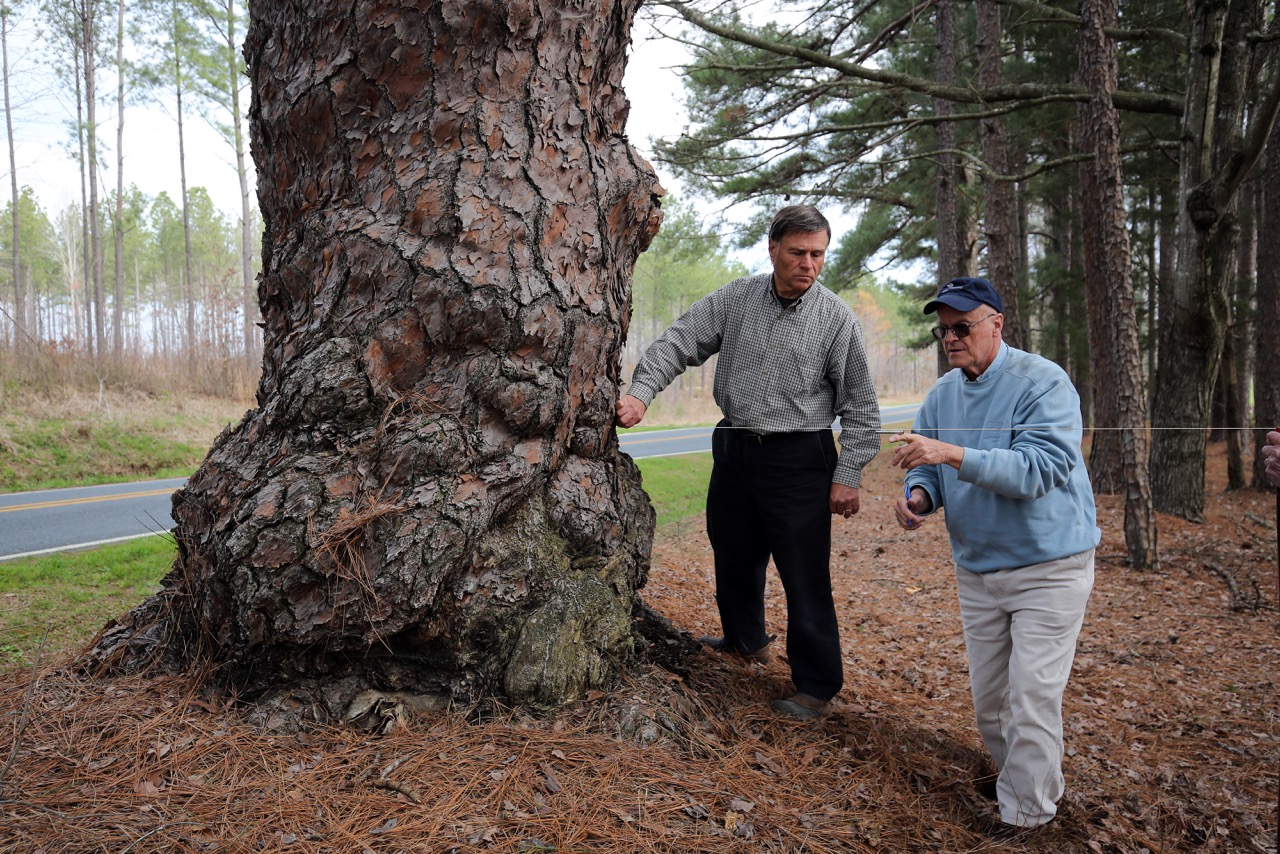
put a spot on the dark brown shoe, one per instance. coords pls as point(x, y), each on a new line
point(802, 707)
point(760, 656)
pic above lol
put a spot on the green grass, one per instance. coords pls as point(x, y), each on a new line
point(55, 453)
point(677, 486)
point(72, 595)
point(49, 443)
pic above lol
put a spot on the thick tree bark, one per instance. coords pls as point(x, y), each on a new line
point(1119, 459)
point(998, 218)
point(1215, 157)
point(430, 497)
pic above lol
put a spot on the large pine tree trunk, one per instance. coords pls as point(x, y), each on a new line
point(1119, 460)
point(430, 496)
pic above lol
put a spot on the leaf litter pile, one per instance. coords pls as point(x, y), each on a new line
point(1172, 729)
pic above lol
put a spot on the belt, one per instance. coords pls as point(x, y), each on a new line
point(761, 438)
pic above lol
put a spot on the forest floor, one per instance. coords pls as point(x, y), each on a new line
point(1172, 729)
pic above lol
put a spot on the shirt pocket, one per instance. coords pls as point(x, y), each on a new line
point(996, 433)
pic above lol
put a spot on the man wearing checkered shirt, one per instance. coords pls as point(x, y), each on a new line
point(791, 361)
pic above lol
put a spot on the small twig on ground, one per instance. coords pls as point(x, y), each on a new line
point(1259, 521)
point(1239, 601)
point(386, 772)
point(367, 772)
point(403, 788)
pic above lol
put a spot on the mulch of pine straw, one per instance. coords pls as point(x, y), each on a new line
point(1173, 732)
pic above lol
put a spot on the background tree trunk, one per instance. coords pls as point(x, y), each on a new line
point(1214, 160)
point(1266, 379)
point(430, 496)
point(189, 291)
point(951, 256)
point(999, 216)
point(89, 21)
point(117, 220)
point(19, 303)
point(1119, 460)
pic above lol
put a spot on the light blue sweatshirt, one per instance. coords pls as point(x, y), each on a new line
point(1022, 494)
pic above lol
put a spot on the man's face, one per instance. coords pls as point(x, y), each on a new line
point(973, 354)
point(797, 261)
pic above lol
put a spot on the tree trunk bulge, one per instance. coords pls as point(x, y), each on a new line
point(429, 496)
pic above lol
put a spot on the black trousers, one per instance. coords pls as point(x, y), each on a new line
point(772, 498)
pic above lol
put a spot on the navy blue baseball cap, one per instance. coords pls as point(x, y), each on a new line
point(966, 294)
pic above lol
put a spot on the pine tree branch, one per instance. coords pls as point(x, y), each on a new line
point(1251, 147)
point(1141, 102)
point(1053, 14)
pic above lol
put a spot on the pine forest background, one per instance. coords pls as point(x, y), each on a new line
point(1111, 166)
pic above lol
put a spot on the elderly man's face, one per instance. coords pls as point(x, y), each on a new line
point(975, 353)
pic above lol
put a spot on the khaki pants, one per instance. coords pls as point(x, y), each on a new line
point(1020, 629)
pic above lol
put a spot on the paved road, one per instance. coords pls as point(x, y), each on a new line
point(82, 516)
point(33, 523)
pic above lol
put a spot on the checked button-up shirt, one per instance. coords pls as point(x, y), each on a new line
point(781, 368)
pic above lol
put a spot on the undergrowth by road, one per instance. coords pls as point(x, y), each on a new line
point(75, 437)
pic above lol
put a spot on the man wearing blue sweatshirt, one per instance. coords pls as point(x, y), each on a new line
point(997, 442)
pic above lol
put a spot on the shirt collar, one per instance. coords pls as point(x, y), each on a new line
point(994, 368)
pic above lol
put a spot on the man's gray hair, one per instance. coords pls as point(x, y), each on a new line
point(804, 218)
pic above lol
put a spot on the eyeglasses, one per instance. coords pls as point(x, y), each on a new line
point(961, 330)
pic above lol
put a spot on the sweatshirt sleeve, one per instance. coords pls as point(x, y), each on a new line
point(927, 477)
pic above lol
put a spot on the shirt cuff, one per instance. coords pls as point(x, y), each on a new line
point(847, 475)
point(641, 393)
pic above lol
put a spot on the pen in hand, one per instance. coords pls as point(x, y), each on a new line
point(906, 487)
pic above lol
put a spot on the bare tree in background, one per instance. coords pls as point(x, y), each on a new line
point(178, 45)
point(19, 303)
point(997, 186)
point(117, 219)
point(1266, 388)
point(1119, 459)
point(430, 496)
point(86, 15)
point(221, 76)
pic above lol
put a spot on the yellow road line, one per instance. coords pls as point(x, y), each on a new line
point(67, 502)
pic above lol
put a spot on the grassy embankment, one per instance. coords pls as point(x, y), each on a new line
point(79, 440)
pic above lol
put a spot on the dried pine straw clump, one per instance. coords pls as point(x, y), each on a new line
point(1173, 733)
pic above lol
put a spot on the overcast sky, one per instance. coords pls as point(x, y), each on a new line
point(150, 145)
